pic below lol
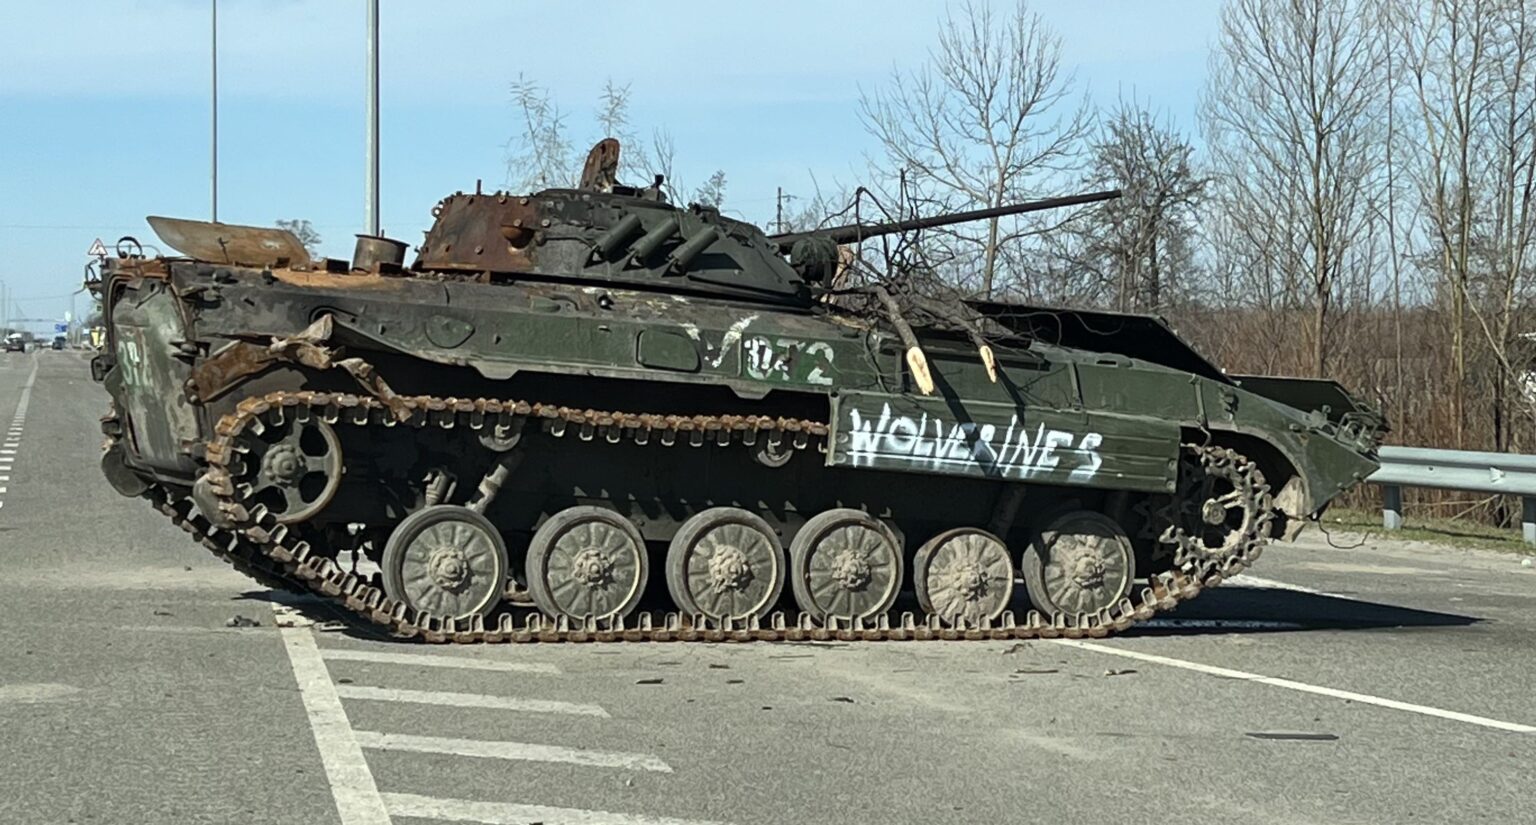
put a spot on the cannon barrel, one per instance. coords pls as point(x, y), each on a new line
point(853, 232)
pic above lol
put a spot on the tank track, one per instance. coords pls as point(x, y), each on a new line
point(259, 546)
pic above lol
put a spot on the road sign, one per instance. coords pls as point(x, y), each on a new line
point(97, 250)
point(61, 327)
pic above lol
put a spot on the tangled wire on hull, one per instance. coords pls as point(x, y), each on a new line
point(257, 542)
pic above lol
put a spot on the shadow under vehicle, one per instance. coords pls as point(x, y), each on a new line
point(575, 398)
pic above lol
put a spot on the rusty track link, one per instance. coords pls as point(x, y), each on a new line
point(267, 551)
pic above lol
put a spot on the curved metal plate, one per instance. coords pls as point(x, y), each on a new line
point(227, 243)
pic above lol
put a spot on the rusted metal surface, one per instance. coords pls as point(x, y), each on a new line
point(495, 232)
point(317, 279)
point(227, 243)
point(601, 170)
point(220, 371)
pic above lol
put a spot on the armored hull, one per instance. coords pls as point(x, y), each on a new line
point(555, 426)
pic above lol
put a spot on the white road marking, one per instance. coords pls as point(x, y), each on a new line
point(1218, 624)
point(506, 813)
point(1362, 698)
point(430, 660)
point(466, 700)
point(1249, 580)
point(517, 751)
point(352, 786)
point(13, 440)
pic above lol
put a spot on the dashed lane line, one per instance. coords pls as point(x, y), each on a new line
point(512, 751)
point(1302, 687)
point(467, 700)
point(13, 437)
point(433, 660)
point(352, 786)
point(505, 813)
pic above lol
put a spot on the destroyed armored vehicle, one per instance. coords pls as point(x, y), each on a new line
point(589, 413)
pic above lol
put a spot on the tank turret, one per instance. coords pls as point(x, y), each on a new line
point(605, 232)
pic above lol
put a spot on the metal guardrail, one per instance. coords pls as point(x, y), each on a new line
point(1502, 473)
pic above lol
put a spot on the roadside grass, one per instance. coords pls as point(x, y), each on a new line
point(1418, 527)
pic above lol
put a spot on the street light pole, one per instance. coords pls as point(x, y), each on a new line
point(371, 209)
point(215, 152)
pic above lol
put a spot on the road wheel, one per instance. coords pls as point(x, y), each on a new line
point(725, 563)
point(1081, 563)
point(963, 576)
point(587, 563)
point(445, 560)
point(845, 564)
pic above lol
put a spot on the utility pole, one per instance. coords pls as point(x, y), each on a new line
point(215, 152)
point(372, 155)
point(778, 211)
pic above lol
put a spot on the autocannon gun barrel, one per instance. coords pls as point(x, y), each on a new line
point(853, 232)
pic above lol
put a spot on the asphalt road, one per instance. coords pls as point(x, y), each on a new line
point(1388, 683)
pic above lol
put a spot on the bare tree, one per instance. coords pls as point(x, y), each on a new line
point(712, 191)
point(1136, 247)
point(983, 123)
point(1292, 115)
point(542, 155)
point(539, 155)
point(305, 232)
point(1471, 65)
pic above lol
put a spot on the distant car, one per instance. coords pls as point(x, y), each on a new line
point(58, 342)
point(15, 343)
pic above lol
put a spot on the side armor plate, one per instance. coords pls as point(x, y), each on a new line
point(1040, 445)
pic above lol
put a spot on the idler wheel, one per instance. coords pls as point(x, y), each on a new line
point(1082, 562)
point(727, 564)
point(963, 576)
point(845, 564)
point(446, 560)
point(587, 563)
point(293, 466)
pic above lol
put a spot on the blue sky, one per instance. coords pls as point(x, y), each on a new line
point(104, 105)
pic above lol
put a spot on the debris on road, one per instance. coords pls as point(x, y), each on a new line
point(242, 621)
point(654, 681)
point(1113, 672)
